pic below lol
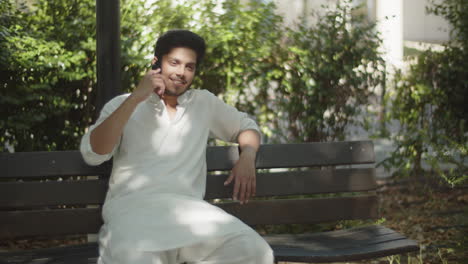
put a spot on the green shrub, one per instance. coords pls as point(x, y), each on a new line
point(326, 75)
point(48, 66)
point(430, 104)
point(303, 84)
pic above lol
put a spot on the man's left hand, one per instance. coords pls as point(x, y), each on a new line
point(244, 177)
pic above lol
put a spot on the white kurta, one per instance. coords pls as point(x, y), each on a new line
point(155, 197)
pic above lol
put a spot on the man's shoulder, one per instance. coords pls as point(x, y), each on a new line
point(202, 96)
point(202, 93)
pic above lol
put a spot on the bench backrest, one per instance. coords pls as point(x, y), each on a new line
point(55, 193)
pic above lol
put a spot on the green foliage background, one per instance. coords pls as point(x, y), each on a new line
point(430, 104)
point(301, 83)
point(329, 74)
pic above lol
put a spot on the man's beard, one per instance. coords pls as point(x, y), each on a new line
point(170, 93)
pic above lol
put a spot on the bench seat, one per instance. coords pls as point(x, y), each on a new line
point(334, 246)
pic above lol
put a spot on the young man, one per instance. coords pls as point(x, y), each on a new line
point(154, 210)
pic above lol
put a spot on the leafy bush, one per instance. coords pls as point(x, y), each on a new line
point(303, 84)
point(48, 67)
point(326, 75)
point(429, 103)
point(48, 62)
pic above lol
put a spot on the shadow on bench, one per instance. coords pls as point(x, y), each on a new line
point(31, 206)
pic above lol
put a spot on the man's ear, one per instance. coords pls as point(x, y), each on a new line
point(155, 59)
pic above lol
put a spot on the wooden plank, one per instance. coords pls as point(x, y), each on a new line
point(51, 193)
point(315, 154)
point(88, 220)
point(303, 155)
point(300, 182)
point(221, 158)
point(71, 254)
point(70, 163)
point(334, 240)
point(303, 211)
point(344, 245)
point(48, 164)
point(50, 222)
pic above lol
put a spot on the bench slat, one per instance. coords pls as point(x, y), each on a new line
point(72, 254)
point(41, 164)
point(315, 154)
point(88, 220)
point(343, 245)
point(70, 163)
point(301, 182)
point(50, 222)
point(303, 211)
point(51, 193)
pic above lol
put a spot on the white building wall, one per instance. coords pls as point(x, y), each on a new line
point(422, 27)
point(292, 10)
point(417, 25)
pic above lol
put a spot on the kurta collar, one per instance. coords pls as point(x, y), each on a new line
point(182, 100)
point(156, 102)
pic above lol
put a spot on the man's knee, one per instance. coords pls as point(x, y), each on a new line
point(241, 248)
point(256, 248)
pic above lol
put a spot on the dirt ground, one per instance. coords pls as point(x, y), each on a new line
point(429, 212)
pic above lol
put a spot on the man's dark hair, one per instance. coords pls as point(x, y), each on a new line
point(178, 38)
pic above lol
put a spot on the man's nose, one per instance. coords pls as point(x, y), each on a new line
point(180, 70)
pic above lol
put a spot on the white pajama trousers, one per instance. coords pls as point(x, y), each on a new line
point(246, 247)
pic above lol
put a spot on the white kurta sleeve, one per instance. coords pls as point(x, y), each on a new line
point(89, 156)
point(227, 122)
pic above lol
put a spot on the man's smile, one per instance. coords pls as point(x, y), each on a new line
point(178, 81)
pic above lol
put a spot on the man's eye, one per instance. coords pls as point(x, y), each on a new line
point(173, 63)
point(190, 68)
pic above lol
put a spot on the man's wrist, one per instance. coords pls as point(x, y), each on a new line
point(248, 152)
point(133, 100)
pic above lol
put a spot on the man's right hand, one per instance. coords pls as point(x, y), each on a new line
point(153, 81)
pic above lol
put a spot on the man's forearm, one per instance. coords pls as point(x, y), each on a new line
point(105, 136)
point(249, 142)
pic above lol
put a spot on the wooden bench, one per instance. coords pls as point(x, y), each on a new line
point(56, 193)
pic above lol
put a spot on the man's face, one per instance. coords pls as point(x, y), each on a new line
point(178, 66)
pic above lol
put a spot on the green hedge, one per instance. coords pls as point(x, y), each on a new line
point(301, 83)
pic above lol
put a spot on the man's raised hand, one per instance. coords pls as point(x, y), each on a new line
point(152, 81)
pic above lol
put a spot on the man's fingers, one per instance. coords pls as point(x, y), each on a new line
point(248, 191)
point(153, 72)
point(158, 84)
point(243, 189)
point(161, 90)
point(254, 187)
point(229, 179)
point(236, 189)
